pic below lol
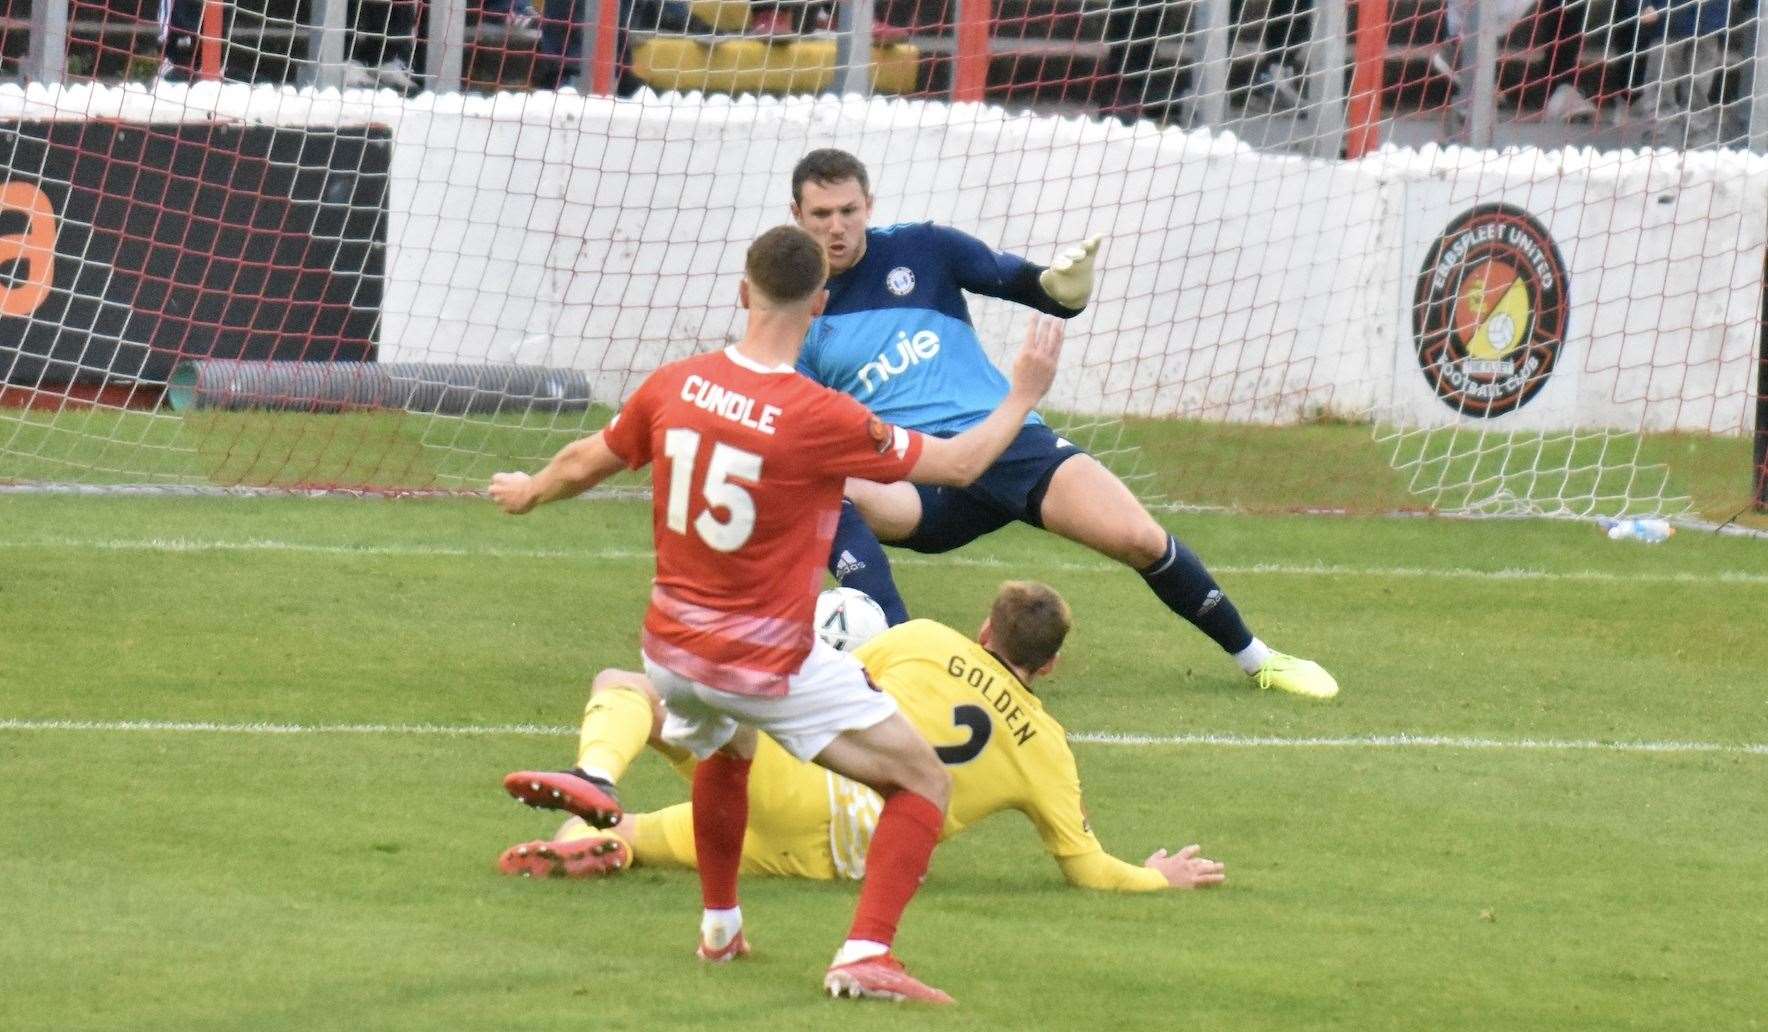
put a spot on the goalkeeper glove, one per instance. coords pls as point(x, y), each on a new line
point(1069, 279)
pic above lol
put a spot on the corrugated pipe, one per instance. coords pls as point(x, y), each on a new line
point(234, 384)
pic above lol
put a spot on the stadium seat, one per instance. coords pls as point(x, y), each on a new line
point(810, 66)
point(737, 66)
point(721, 15)
point(896, 68)
point(753, 66)
point(800, 66)
point(671, 63)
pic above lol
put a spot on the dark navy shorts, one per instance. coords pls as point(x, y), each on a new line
point(1011, 489)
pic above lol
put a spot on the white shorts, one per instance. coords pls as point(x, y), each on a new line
point(828, 695)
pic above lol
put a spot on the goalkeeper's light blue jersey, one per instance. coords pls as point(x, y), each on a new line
point(897, 336)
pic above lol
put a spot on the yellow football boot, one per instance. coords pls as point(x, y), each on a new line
point(1302, 677)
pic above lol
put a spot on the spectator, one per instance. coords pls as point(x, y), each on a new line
point(1683, 67)
point(181, 25)
point(558, 64)
point(557, 60)
point(508, 31)
point(1450, 58)
point(516, 15)
point(1557, 26)
point(380, 49)
point(1283, 29)
point(1635, 28)
point(790, 17)
point(1133, 31)
point(382, 45)
point(799, 17)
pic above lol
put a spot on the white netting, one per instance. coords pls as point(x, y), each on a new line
point(1288, 316)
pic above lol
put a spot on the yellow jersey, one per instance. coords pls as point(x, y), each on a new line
point(1004, 751)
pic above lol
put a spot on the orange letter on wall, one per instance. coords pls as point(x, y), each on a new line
point(35, 246)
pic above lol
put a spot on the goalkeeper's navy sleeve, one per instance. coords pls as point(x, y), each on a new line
point(981, 269)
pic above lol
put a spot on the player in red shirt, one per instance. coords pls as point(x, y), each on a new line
point(750, 459)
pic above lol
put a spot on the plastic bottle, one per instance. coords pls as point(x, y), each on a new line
point(1637, 528)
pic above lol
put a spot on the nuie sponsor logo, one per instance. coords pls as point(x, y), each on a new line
point(1489, 311)
point(27, 248)
point(894, 361)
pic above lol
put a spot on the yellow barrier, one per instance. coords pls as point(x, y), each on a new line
point(753, 66)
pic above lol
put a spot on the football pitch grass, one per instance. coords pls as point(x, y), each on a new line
point(250, 753)
point(1333, 465)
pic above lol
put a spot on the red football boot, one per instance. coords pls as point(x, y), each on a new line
point(579, 858)
point(880, 978)
point(737, 947)
point(591, 799)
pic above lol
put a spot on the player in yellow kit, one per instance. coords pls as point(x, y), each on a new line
point(973, 702)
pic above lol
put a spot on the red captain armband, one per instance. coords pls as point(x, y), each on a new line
point(885, 437)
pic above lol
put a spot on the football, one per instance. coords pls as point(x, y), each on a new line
point(847, 618)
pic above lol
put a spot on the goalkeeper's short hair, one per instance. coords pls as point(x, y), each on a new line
point(1029, 622)
point(826, 167)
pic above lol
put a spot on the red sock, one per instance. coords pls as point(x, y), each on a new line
point(721, 813)
point(908, 829)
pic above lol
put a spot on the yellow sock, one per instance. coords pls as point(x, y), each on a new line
point(616, 724)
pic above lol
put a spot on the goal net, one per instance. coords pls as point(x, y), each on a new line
point(1495, 259)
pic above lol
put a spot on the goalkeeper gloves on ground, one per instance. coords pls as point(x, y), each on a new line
point(1069, 279)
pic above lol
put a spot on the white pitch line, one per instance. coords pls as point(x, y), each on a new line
point(1408, 741)
point(185, 544)
point(176, 544)
point(267, 728)
point(1400, 741)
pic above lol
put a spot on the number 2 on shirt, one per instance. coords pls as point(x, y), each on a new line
point(966, 715)
point(721, 490)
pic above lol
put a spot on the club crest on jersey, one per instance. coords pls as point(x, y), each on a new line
point(900, 281)
point(1489, 311)
point(886, 437)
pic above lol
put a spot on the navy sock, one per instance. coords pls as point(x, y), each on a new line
point(857, 560)
point(1188, 590)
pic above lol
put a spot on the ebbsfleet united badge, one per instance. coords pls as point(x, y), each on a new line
point(1489, 313)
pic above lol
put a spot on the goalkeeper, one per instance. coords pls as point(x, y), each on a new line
point(972, 699)
point(896, 335)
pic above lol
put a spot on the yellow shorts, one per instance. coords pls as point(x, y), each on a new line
point(789, 817)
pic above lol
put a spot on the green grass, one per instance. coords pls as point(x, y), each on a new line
point(1340, 466)
point(380, 449)
point(1353, 467)
point(181, 880)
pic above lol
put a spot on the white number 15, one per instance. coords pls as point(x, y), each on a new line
point(727, 465)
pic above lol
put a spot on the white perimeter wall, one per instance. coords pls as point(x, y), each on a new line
point(608, 236)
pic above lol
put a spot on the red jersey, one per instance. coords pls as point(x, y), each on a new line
point(745, 495)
